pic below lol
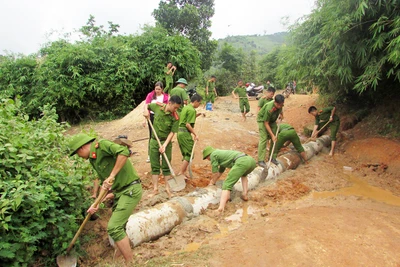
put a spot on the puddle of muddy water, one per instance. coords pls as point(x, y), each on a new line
point(363, 189)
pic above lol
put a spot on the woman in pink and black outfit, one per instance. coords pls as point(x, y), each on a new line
point(155, 96)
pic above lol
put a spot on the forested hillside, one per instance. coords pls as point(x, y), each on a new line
point(262, 44)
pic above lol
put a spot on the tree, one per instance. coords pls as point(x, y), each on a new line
point(192, 19)
point(91, 30)
point(350, 47)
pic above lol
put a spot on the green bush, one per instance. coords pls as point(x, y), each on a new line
point(40, 193)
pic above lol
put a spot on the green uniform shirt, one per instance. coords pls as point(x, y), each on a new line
point(222, 159)
point(188, 115)
point(168, 77)
point(179, 91)
point(211, 86)
point(268, 113)
point(262, 101)
point(324, 114)
point(241, 91)
point(103, 155)
point(164, 121)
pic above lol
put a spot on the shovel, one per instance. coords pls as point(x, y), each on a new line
point(178, 183)
point(70, 260)
point(190, 161)
point(273, 148)
point(309, 139)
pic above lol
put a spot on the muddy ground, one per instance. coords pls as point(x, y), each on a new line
point(340, 211)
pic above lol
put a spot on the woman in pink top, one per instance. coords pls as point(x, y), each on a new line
point(157, 95)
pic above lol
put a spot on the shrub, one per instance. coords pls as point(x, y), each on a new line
point(40, 194)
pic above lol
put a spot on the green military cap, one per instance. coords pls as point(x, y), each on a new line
point(78, 140)
point(182, 80)
point(207, 151)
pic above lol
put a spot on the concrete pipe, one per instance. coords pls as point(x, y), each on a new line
point(155, 222)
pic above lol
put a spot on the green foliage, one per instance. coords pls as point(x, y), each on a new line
point(40, 196)
point(268, 66)
point(192, 19)
point(231, 59)
point(261, 44)
point(102, 78)
point(349, 47)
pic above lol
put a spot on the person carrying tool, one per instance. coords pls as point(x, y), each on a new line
point(211, 91)
point(287, 135)
point(110, 161)
point(179, 90)
point(244, 105)
point(266, 120)
point(267, 97)
point(322, 117)
point(169, 72)
point(187, 121)
point(239, 163)
point(166, 123)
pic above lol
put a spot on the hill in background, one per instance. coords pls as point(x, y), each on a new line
point(262, 44)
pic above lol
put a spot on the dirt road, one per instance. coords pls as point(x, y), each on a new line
point(340, 211)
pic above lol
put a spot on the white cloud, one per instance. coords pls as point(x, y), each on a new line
point(26, 22)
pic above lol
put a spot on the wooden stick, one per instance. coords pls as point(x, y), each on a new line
point(165, 155)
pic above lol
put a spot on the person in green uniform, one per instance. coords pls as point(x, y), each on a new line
point(323, 116)
point(244, 105)
point(211, 91)
point(169, 71)
point(110, 161)
point(166, 123)
point(286, 135)
point(187, 121)
point(267, 97)
point(239, 163)
point(179, 90)
point(266, 120)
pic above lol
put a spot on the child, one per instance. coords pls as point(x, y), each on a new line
point(166, 123)
point(186, 128)
point(243, 99)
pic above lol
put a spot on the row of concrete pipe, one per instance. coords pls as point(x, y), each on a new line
point(159, 220)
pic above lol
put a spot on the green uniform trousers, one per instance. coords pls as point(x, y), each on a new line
point(155, 158)
point(242, 167)
point(185, 144)
point(210, 97)
point(287, 135)
point(333, 126)
point(168, 86)
point(264, 136)
point(244, 105)
point(125, 202)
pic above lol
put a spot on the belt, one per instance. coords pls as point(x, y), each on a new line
point(138, 181)
point(183, 130)
point(239, 156)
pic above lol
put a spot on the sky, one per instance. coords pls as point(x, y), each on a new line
point(27, 24)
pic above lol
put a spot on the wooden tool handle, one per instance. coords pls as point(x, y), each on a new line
point(159, 143)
